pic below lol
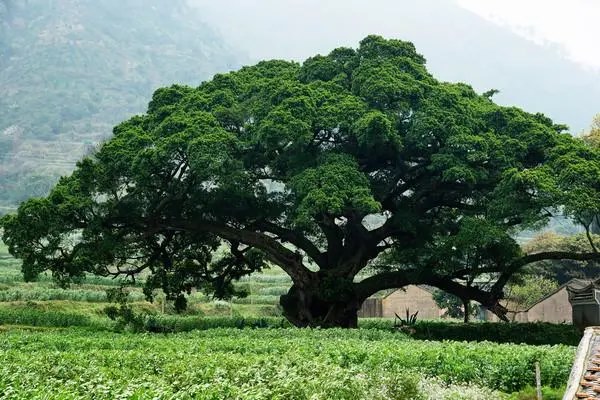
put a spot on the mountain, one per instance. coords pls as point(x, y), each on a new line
point(71, 69)
point(458, 45)
point(538, 78)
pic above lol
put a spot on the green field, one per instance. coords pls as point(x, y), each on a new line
point(89, 297)
point(58, 343)
point(266, 364)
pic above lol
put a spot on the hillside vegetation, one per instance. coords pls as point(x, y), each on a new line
point(72, 69)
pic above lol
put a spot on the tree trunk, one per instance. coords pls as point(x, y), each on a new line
point(321, 303)
point(595, 227)
point(467, 310)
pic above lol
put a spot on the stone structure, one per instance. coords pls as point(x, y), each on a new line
point(412, 297)
point(585, 300)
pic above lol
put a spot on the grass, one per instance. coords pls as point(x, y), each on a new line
point(90, 296)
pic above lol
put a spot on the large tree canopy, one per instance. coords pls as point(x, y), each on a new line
point(352, 160)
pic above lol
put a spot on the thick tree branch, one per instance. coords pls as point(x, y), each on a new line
point(288, 260)
point(392, 227)
point(488, 299)
point(465, 272)
point(399, 279)
point(294, 238)
point(588, 233)
point(387, 280)
point(334, 237)
point(516, 265)
point(403, 180)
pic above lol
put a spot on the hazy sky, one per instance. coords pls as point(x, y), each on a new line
point(298, 28)
point(541, 54)
point(572, 24)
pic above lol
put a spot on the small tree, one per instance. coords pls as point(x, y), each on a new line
point(592, 222)
point(287, 163)
point(593, 135)
point(454, 306)
point(528, 290)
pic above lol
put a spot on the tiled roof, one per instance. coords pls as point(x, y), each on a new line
point(589, 386)
point(584, 382)
point(582, 285)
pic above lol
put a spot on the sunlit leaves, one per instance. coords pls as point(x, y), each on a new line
point(336, 187)
point(374, 130)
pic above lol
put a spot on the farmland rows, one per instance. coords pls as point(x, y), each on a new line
point(266, 364)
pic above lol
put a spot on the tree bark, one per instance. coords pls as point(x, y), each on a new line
point(467, 310)
point(321, 303)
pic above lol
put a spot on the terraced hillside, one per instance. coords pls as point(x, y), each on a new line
point(90, 296)
point(71, 69)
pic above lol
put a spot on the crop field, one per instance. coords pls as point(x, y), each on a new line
point(58, 343)
point(89, 297)
point(266, 364)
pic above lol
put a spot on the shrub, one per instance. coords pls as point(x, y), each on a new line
point(39, 293)
point(535, 333)
point(174, 323)
point(273, 290)
point(254, 299)
point(33, 317)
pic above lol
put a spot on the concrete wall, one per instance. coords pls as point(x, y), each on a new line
point(415, 299)
point(555, 308)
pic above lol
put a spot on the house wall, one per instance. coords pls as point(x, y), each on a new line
point(415, 299)
point(556, 309)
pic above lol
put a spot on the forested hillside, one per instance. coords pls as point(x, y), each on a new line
point(71, 69)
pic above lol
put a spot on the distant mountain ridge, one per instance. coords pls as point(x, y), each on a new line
point(71, 69)
point(459, 46)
